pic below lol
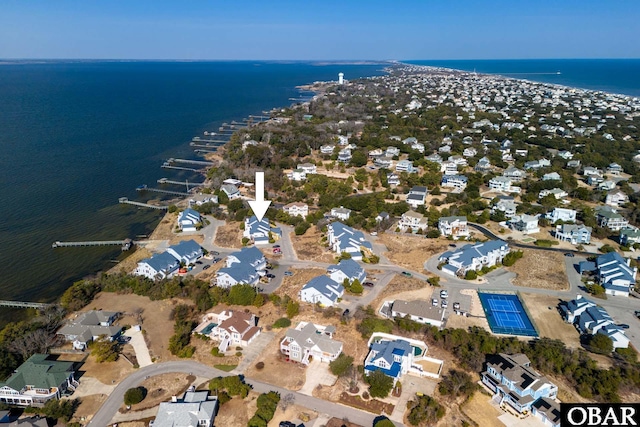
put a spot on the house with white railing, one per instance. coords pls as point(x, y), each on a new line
point(309, 341)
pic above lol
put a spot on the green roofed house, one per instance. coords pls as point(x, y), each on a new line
point(38, 380)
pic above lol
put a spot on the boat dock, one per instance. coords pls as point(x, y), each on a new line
point(126, 243)
point(24, 304)
point(190, 162)
point(214, 141)
point(159, 190)
point(187, 183)
point(144, 205)
point(166, 165)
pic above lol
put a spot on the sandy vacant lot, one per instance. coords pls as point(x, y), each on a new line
point(160, 388)
point(543, 310)
point(309, 247)
point(229, 235)
point(540, 269)
point(155, 318)
point(401, 287)
point(237, 412)
point(480, 410)
point(411, 252)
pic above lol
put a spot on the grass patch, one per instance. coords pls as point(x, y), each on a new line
point(226, 368)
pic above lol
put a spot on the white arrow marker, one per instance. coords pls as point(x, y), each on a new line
point(259, 205)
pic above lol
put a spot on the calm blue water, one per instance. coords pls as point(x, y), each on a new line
point(609, 75)
point(74, 137)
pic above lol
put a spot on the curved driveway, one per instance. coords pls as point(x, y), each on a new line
point(109, 408)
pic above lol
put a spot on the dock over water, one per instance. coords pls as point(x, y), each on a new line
point(144, 205)
point(24, 304)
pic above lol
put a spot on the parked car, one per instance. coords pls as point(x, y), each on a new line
point(444, 303)
point(215, 253)
point(345, 312)
point(198, 262)
point(434, 302)
point(216, 260)
point(269, 267)
point(623, 326)
point(271, 276)
point(456, 306)
point(277, 251)
point(374, 233)
point(206, 266)
point(276, 246)
point(569, 254)
point(444, 294)
point(368, 284)
point(637, 313)
point(288, 273)
point(406, 273)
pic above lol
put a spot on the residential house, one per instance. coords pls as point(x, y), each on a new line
point(187, 251)
point(344, 155)
point(435, 158)
point(574, 164)
point(195, 408)
point(327, 149)
point(322, 290)
point(347, 269)
point(607, 185)
point(297, 175)
point(309, 341)
point(158, 267)
point(616, 198)
point(596, 180)
point(392, 151)
point(297, 209)
point(558, 193)
point(483, 165)
point(414, 221)
point(576, 234)
point(405, 166)
point(382, 216)
point(393, 179)
point(592, 320)
point(514, 174)
point(449, 168)
point(342, 238)
point(474, 257)
point(566, 155)
point(202, 199)
point(419, 311)
point(251, 257)
point(410, 140)
point(394, 356)
point(469, 152)
point(258, 231)
point(38, 380)
point(589, 170)
point(615, 274)
point(189, 220)
point(230, 328)
point(341, 213)
point(308, 168)
point(444, 149)
point(526, 224)
point(383, 162)
point(553, 176)
point(89, 326)
point(236, 275)
point(459, 182)
point(418, 146)
point(458, 160)
point(629, 236)
point(231, 191)
point(506, 205)
point(503, 184)
point(454, 226)
point(516, 383)
point(417, 196)
point(616, 334)
point(537, 164)
point(561, 214)
point(614, 169)
point(609, 218)
point(572, 310)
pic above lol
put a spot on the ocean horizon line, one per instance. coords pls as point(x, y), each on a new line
point(332, 61)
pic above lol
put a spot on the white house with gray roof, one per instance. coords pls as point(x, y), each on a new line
point(413, 221)
point(561, 214)
point(89, 326)
point(231, 191)
point(189, 219)
point(341, 213)
point(417, 196)
point(258, 231)
point(419, 311)
point(158, 267)
point(194, 409)
point(576, 234)
point(309, 341)
point(347, 269)
point(322, 290)
point(454, 226)
point(342, 238)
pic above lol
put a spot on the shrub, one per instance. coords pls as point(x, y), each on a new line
point(379, 384)
point(342, 365)
point(424, 409)
point(238, 353)
point(282, 322)
point(384, 422)
point(293, 308)
point(601, 344)
point(457, 383)
point(260, 366)
point(134, 395)
point(606, 249)
point(471, 275)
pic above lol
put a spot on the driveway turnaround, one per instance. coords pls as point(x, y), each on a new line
point(140, 346)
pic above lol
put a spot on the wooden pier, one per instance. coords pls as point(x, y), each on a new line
point(159, 190)
point(187, 183)
point(143, 205)
point(197, 139)
point(191, 162)
point(126, 244)
point(24, 304)
point(166, 165)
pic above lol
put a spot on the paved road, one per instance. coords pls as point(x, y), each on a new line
point(110, 407)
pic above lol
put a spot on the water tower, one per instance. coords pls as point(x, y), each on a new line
point(340, 78)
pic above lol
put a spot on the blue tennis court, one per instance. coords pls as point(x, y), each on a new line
point(506, 315)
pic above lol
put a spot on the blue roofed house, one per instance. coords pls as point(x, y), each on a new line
point(591, 319)
point(158, 267)
point(396, 356)
point(189, 220)
point(516, 383)
point(258, 231)
point(474, 257)
point(571, 310)
point(347, 269)
point(321, 290)
point(343, 238)
point(616, 334)
point(187, 251)
point(238, 274)
point(248, 256)
point(615, 274)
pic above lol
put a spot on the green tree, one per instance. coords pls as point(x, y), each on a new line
point(424, 409)
point(293, 308)
point(386, 422)
point(134, 395)
point(242, 294)
point(471, 275)
point(301, 228)
point(379, 384)
point(358, 158)
point(457, 383)
point(282, 322)
point(342, 365)
point(356, 287)
point(104, 349)
point(600, 343)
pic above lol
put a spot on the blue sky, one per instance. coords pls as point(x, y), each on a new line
point(340, 30)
